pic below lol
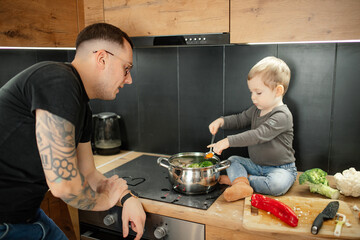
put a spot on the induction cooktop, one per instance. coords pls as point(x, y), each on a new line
point(150, 181)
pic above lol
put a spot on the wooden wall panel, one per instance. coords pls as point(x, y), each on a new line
point(172, 17)
point(39, 23)
point(289, 20)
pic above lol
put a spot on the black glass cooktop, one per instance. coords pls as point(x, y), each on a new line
point(150, 181)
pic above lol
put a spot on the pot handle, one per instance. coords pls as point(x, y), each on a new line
point(159, 161)
point(224, 165)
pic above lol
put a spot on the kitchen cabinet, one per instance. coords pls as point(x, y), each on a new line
point(93, 11)
point(65, 216)
point(40, 23)
point(159, 17)
point(254, 21)
point(248, 21)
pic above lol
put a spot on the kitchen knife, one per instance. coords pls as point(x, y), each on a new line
point(328, 213)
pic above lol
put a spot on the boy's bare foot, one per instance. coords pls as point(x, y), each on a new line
point(224, 179)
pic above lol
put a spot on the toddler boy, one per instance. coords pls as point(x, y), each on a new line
point(271, 167)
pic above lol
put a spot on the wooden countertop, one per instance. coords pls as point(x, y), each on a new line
point(222, 215)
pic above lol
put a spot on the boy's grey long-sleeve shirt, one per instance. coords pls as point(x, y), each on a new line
point(270, 138)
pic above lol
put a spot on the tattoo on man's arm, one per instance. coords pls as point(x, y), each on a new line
point(85, 201)
point(57, 148)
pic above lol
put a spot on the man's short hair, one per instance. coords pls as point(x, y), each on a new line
point(102, 31)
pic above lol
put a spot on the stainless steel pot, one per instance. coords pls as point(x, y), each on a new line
point(193, 180)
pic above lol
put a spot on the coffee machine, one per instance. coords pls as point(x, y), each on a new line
point(106, 133)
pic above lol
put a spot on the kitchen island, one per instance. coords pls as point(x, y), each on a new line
point(224, 220)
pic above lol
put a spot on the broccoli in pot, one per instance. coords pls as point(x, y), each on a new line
point(201, 164)
point(193, 165)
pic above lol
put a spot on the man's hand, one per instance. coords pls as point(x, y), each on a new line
point(220, 146)
point(113, 187)
point(134, 213)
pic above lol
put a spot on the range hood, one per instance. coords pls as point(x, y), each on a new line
point(182, 40)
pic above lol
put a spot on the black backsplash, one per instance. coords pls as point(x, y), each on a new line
point(178, 91)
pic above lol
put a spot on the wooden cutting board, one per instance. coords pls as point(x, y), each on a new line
point(307, 210)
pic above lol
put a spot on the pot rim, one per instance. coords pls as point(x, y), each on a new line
point(192, 154)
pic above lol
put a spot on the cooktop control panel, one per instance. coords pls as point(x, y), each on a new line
point(99, 225)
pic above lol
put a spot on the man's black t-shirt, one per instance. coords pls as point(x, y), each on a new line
point(51, 86)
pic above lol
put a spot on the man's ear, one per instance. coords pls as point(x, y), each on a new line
point(100, 59)
point(279, 90)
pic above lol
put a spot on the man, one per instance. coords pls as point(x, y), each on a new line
point(45, 130)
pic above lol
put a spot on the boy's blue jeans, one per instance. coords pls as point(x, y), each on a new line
point(268, 180)
point(42, 228)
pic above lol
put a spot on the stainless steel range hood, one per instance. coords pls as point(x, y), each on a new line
point(182, 40)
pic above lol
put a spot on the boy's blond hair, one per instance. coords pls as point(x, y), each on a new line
point(273, 71)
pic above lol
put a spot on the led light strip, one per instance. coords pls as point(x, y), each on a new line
point(37, 48)
point(301, 42)
point(119, 157)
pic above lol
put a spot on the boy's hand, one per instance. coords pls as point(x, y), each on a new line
point(220, 146)
point(215, 125)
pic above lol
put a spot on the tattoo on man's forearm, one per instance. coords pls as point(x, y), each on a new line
point(86, 200)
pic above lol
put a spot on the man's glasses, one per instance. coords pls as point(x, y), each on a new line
point(127, 69)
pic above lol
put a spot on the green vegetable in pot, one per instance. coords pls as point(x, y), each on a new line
point(200, 165)
point(316, 179)
point(206, 164)
point(194, 165)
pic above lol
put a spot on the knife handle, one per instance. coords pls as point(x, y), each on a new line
point(317, 223)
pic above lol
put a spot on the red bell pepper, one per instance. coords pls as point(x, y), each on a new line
point(279, 209)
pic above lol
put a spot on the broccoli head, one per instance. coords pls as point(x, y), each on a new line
point(316, 179)
point(315, 176)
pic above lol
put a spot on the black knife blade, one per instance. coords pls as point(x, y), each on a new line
point(328, 213)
